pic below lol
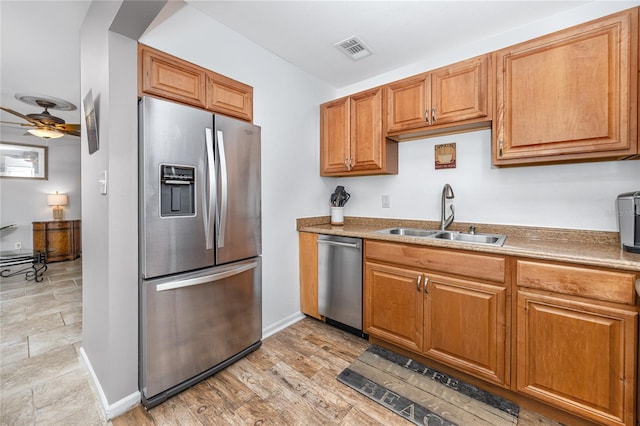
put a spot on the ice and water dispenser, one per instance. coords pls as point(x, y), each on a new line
point(177, 190)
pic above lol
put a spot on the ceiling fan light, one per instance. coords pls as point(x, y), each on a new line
point(46, 133)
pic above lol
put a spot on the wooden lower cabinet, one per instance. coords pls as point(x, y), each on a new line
point(577, 356)
point(59, 238)
point(459, 322)
point(558, 333)
point(393, 305)
point(308, 252)
point(464, 326)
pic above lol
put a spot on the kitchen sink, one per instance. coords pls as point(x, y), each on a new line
point(494, 239)
point(409, 232)
point(488, 239)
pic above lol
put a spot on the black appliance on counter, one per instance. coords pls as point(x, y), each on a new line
point(628, 206)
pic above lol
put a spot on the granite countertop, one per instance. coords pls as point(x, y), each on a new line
point(592, 248)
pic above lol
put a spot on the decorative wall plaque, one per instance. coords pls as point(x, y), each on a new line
point(445, 156)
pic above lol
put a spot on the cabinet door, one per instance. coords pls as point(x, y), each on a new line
point(334, 137)
point(366, 141)
point(165, 76)
point(577, 356)
point(465, 326)
point(60, 241)
point(77, 238)
point(408, 103)
point(460, 91)
point(393, 307)
point(308, 246)
point(229, 97)
point(570, 95)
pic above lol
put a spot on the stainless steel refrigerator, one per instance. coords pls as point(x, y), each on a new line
point(200, 245)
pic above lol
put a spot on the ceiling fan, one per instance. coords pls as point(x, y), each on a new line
point(44, 124)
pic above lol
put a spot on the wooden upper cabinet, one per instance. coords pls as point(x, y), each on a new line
point(367, 142)
point(351, 138)
point(455, 95)
point(569, 95)
point(165, 76)
point(229, 97)
point(334, 137)
point(408, 103)
point(168, 77)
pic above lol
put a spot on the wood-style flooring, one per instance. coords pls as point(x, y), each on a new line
point(289, 380)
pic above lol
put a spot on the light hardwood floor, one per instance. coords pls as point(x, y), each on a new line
point(289, 380)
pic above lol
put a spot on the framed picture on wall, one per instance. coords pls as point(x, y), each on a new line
point(91, 123)
point(23, 161)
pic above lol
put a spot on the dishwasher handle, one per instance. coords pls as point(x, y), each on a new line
point(338, 243)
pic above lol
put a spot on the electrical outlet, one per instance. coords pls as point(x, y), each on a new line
point(386, 201)
point(18, 246)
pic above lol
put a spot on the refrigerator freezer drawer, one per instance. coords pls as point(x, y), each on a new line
point(193, 322)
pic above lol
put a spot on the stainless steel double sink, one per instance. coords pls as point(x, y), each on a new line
point(476, 238)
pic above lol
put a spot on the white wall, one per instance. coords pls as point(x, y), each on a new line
point(23, 201)
point(578, 196)
point(286, 104)
point(110, 250)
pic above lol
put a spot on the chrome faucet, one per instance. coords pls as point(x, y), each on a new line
point(447, 192)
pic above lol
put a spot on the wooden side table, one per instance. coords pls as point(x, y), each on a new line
point(59, 238)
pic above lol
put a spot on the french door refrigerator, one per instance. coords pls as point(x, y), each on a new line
point(200, 245)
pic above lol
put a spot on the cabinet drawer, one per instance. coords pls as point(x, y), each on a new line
point(58, 225)
point(477, 266)
point(610, 286)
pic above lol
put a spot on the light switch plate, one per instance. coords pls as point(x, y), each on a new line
point(386, 201)
point(103, 182)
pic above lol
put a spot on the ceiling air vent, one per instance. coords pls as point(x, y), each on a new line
point(354, 48)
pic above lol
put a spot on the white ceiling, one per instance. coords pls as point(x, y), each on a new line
point(398, 32)
point(40, 39)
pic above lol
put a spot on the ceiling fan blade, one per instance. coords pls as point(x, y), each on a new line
point(24, 117)
point(72, 132)
point(68, 127)
point(19, 124)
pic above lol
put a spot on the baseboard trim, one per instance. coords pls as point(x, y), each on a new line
point(282, 324)
point(110, 411)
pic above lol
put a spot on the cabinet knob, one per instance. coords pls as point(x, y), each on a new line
point(426, 116)
point(433, 116)
point(418, 283)
point(426, 285)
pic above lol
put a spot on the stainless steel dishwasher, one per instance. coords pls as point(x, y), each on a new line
point(340, 281)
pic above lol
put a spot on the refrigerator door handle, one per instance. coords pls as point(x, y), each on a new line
point(208, 279)
point(223, 189)
point(209, 196)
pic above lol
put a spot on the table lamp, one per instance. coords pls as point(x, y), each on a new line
point(57, 200)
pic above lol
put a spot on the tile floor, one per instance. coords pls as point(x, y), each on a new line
point(42, 381)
